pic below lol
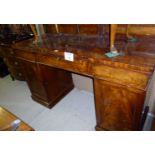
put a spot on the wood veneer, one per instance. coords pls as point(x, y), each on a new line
point(14, 66)
point(7, 118)
point(120, 83)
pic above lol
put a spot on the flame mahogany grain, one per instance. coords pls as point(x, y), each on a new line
point(120, 83)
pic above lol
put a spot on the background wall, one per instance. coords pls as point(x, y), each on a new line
point(83, 82)
point(143, 29)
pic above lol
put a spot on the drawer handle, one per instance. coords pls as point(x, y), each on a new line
point(20, 74)
point(16, 63)
point(12, 52)
point(4, 59)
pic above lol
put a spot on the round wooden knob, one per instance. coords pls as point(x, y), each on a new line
point(16, 63)
point(20, 74)
point(12, 52)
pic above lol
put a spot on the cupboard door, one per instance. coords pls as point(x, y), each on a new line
point(117, 107)
point(32, 77)
point(57, 82)
point(47, 84)
point(16, 68)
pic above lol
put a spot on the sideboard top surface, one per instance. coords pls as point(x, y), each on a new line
point(138, 55)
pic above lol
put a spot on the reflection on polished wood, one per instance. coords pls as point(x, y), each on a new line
point(6, 118)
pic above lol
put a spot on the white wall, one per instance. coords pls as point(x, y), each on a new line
point(83, 82)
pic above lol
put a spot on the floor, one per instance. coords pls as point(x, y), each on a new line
point(75, 112)
point(148, 122)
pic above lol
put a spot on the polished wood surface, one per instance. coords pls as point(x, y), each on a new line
point(10, 34)
point(117, 107)
point(120, 83)
point(47, 85)
point(14, 66)
point(7, 118)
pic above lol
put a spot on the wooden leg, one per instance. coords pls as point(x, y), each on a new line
point(113, 29)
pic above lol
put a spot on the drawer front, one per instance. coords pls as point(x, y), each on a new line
point(121, 76)
point(78, 66)
point(28, 56)
point(17, 73)
point(13, 62)
point(9, 51)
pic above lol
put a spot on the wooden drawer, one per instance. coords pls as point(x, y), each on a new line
point(8, 51)
point(125, 77)
point(17, 73)
point(28, 56)
point(13, 62)
point(7, 118)
point(77, 66)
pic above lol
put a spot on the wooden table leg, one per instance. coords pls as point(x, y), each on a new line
point(113, 29)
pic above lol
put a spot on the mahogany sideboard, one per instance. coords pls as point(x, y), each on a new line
point(120, 83)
